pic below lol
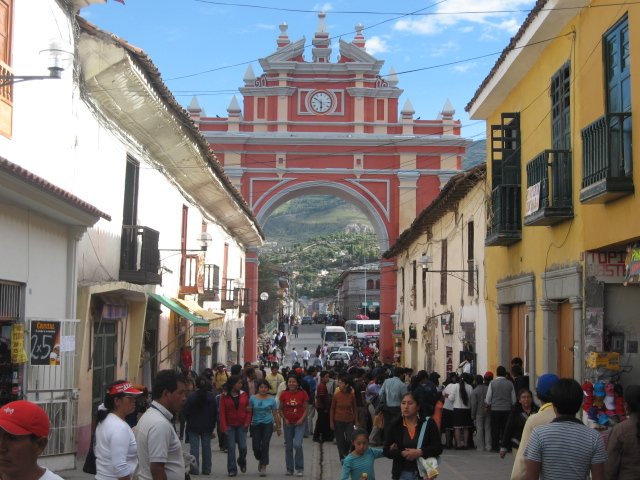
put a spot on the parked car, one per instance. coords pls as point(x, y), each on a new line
point(352, 351)
point(306, 321)
point(338, 358)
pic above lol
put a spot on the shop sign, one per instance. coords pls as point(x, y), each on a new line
point(608, 267)
point(632, 264)
point(533, 199)
point(18, 355)
point(200, 331)
point(205, 351)
point(45, 342)
point(446, 323)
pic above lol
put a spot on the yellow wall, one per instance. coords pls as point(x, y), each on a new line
point(543, 248)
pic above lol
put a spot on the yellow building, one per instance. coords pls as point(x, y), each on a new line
point(562, 210)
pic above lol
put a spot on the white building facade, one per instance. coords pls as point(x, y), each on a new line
point(440, 317)
point(102, 275)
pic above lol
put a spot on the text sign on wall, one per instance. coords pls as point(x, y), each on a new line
point(45, 342)
point(533, 199)
point(608, 267)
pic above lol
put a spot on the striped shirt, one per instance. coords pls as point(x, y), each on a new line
point(566, 449)
point(354, 466)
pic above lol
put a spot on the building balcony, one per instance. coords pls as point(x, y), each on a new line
point(504, 225)
point(189, 279)
point(235, 298)
point(139, 255)
point(211, 291)
point(607, 164)
point(549, 179)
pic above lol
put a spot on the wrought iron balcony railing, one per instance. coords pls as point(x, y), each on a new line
point(549, 180)
point(139, 255)
point(504, 224)
point(607, 163)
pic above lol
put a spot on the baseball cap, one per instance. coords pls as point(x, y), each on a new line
point(488, 375)
point(123, 388)
point(545, 383)
point(24, 418)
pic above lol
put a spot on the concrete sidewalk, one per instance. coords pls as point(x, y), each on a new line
point(322, 463)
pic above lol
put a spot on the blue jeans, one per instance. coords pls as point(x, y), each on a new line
point(260, 438)
point(409, 475)
point(239, 435)
point(293, 436)
point(195, 439)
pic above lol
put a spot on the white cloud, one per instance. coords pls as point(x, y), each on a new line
point(499, 14)
point(322, 7)
point(443, 49)
point(462, 68)
point(376, 45)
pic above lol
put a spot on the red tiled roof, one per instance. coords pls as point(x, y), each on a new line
point(512, 43)
point(39, 182)
point(454, 191)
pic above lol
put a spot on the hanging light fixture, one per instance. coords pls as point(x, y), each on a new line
point(58, 57)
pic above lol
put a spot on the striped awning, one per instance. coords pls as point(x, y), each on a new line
point(196, 309)
point(171, 304)
point(113, 312)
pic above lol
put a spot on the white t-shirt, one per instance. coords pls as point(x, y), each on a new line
point(49, 475)
point(115, 449)
point(448, 401)
point(306, 355)
point(158, 442)
point(456, 398)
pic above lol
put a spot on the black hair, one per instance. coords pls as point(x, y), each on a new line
point(523, 390)
point(414, 396)
point(398, 372)
point(479, 380)
point(231, 381)
point(346, 378)
point(262, 382)
point(293, 375)
point(566, 396)
point(501, 371)
point(166, 380)
point(517, 361)
point(632, 397)
point(516, 370)
point(109, 402)
point(356, 433)
point(235, 369)
point(462, 390)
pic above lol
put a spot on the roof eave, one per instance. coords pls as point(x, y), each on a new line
point(545, 22)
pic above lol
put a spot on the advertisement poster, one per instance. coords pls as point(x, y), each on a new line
point(18, 355)
point(45, 342)
point(593, 329)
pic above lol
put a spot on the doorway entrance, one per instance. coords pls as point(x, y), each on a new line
point(104, 360)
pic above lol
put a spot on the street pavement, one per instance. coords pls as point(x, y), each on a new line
point(321, 460)
point(322, 463)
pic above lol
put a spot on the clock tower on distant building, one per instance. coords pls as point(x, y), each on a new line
point(316, 127)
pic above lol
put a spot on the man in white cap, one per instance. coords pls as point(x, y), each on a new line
point(24, 430)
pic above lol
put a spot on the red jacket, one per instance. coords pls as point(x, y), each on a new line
point(230, 416)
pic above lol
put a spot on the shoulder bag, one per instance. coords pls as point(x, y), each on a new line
point(427, 467)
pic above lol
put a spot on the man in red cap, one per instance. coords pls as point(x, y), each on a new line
point(24, 429)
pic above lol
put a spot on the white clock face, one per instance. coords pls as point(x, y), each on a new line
point(321, 102)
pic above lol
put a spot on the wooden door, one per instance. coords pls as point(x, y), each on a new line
point(565, 340)
point(517, 330)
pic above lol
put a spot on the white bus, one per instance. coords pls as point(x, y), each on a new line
point(334, 336)
point(362, 329)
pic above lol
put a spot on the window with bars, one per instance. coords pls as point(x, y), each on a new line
point(560, 93)
point(11, 301)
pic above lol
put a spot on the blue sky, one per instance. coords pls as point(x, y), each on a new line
point(202, 40)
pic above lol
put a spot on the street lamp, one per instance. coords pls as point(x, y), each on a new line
point(203, 239)
point(58, 57)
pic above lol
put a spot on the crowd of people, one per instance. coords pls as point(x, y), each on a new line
point(387, 411)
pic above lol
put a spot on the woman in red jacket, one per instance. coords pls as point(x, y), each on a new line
point(234, 421)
